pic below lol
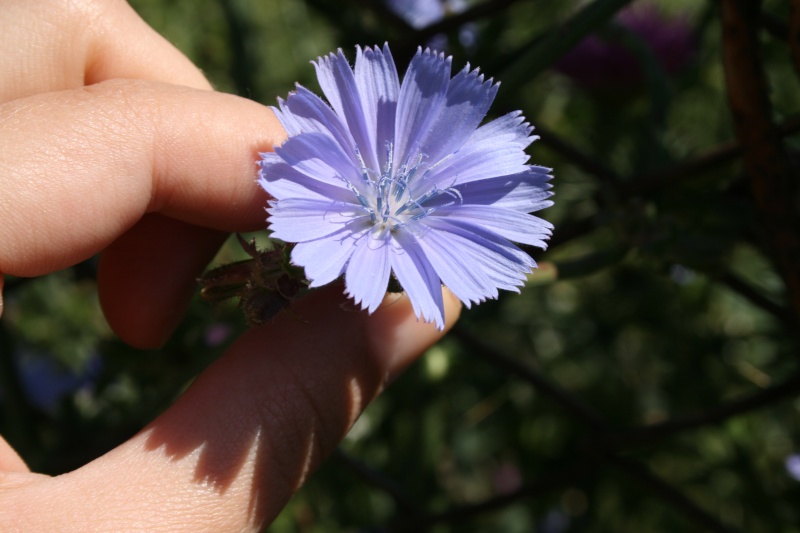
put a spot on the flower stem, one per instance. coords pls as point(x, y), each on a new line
point(265, 284)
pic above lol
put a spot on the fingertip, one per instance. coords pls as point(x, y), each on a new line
point(188, 154)
point(397, 335)
point(208, 175)
point(147, 277)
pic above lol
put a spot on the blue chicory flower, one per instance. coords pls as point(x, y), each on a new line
point(793, 466)
point(399, 178)
point(46, 383)
point(422, 13)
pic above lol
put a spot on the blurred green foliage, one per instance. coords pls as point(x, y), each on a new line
point(657, 301)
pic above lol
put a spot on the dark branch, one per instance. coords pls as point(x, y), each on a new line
point(715, 415)
point(689, 168)
point(744, 289)
point(775, 26)
point(377, 480)
point(765, 160)
point(575, 156)
point(574, 407)
point(794, 33)
point(647, 184)
point(669, 494)
point(458, 514)
point(571, 231)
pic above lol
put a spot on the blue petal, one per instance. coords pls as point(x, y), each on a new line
point(367, 275)
point(508, 128)
point(318, 155)
point(325, 259)
point(455, 268)
point(418, 278)
point(422, 97)
point(475, 162)
point(281, 180)
point(509, 224)
point(339, 85)
point(305, 112)
point(378, 85)
point(503, 262)
point(493, 151)
point(525, 192)
point(305, 219)
point(467, 101)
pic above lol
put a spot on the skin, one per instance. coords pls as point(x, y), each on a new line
point(113, 142)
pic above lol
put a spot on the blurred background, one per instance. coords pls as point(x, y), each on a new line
point(648, 377)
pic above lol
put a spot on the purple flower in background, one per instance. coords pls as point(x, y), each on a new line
point(217, 333)
point(422, 13)
point(506, 478)
point(555, 521)
point(46, 383)
point(596, 63)
point(793, 466)
point(401, 179)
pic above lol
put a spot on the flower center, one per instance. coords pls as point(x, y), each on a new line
point(395, 197)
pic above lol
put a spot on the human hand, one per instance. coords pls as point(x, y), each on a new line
point(112, 142)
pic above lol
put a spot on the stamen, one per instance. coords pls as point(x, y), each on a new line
point(364, 169)
point(456, 193)
point(387, 208)
point(389, 159)
point(406, 175)
point(399, 189)
point(423, 214)
point(411, 203)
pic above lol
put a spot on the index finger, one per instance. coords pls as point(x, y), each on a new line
point(82, 167)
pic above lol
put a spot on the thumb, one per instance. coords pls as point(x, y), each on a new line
point(232, 450)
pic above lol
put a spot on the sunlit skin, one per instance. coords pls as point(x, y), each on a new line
point(112, 142)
